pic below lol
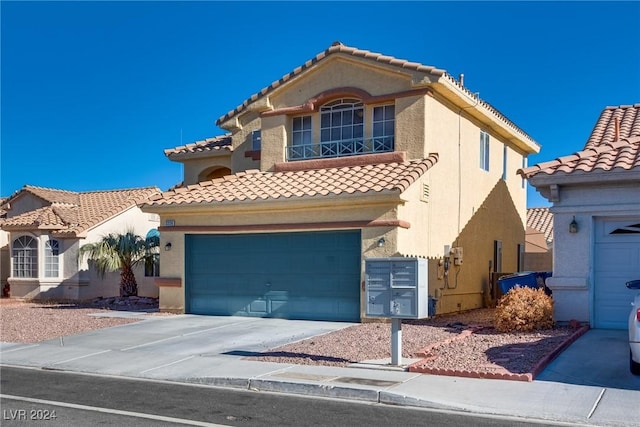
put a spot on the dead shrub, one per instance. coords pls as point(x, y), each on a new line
point(524, 309)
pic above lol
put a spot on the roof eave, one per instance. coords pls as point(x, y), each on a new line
point(181, 157)
point(611, 176)
point(381, 197)
point(461, 97)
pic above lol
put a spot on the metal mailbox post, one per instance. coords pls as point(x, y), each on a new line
point(396, 288)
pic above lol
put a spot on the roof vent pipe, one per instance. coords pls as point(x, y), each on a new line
point(461, 79)
point(617, 128)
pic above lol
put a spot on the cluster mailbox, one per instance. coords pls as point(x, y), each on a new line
point(396, 288)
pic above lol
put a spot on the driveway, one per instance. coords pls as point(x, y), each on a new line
point(192, 346)
point(158, 342)
point(598, 358)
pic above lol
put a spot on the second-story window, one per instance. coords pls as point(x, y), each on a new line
point(484, 151)
point(302, 133)
point(383, 127)
point(342, 127)
point(302, 139)
point(256, 140)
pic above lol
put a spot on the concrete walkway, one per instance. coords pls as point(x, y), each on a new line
point(588, 384)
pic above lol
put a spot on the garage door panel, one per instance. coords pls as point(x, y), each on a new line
point(291, 275)
point(616, 261)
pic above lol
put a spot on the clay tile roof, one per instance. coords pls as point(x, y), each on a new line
point(623, 154)
point(627, 118)
point(339, 48)
point(217, 143)
point(316, 183)
point(541, 219)
point(72, 213)
point(53, 195)
point(335, 48)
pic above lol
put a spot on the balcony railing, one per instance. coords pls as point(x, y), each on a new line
point(346, 147)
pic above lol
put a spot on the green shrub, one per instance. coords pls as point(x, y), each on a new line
point(524, 309)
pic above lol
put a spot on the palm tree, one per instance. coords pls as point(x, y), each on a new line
point(121, 252)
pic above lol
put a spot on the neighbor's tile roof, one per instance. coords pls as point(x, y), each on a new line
point(623, 155)
point(628, 119)
point(71, 213)
point(338, 48)
point(263, 186)
point(541, 219)
point(603, 151)
point(217, 143)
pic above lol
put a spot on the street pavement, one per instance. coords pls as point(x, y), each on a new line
point(587, 384)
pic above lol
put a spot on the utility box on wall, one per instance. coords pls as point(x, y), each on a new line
point(396, 288)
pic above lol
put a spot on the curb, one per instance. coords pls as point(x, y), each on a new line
point(501, 373)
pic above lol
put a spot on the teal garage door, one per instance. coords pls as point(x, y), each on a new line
point(314, 275)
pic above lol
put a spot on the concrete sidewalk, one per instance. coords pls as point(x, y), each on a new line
point(585, 385)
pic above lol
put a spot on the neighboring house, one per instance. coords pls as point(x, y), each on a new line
point(4, 249)
point(45, 227)
point(352, 155)
point(538, 249)
point(596, 210)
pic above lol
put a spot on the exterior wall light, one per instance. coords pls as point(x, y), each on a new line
point(167, 247)
point(381, 242)
point(573, 225)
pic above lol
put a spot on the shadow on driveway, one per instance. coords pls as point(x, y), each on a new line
point(598, 358)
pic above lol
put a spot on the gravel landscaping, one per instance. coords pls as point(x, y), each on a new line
point(456, 343)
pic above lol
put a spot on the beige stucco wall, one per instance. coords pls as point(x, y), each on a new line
point(358, 209)
point(193, 168)
point(339, 73)
point(466, 206)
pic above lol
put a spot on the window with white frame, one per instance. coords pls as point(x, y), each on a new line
point(524, 165)
point(342, 127)
point(504, 162)
point(383, 131)
point(484, 151)
point(24, 255)
point(51, 258)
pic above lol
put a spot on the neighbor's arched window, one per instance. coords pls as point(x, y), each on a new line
point(25, 257)
point(51, 258)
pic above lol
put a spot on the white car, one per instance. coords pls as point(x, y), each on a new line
point(634, 329)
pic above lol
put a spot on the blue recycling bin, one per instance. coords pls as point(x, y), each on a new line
point(532, 279)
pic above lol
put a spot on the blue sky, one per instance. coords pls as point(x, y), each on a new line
point(93, 92)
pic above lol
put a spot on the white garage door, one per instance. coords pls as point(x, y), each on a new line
point(617, 260)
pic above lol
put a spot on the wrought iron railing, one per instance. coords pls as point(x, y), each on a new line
point(346, 147)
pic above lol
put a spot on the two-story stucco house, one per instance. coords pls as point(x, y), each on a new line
point(596, 220)
point(45, 227)
point(351, 155)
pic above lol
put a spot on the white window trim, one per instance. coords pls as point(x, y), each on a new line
point(484, 151)
point(49, 256)
point(33, 266)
